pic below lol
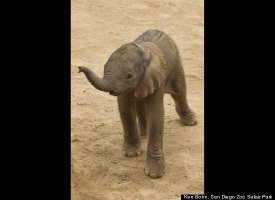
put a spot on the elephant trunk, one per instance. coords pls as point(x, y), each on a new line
point(98, 83)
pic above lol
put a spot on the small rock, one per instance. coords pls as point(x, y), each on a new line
point(75, 140)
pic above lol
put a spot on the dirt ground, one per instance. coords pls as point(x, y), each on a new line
point(98, 169)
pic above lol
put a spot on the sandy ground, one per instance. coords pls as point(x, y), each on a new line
point(99, 171)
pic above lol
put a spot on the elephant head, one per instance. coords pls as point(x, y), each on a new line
point(138, 68)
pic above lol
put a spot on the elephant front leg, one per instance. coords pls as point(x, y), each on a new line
point(141, 114)
point(155, 121)
point(127, 109)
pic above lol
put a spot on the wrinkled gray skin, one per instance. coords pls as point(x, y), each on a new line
point(139, 74)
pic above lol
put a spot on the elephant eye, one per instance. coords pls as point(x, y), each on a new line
point(129, 75)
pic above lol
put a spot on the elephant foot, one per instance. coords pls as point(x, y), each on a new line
point(188, 118)
point(131, 150)
point(155, 166)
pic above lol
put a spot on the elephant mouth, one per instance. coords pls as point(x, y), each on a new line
point(114, 93)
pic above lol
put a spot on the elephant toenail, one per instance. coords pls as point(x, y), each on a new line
point(146, 171)
point(153, 175)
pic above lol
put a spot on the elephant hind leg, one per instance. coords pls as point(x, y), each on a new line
point(185, 113)
point(141, 115)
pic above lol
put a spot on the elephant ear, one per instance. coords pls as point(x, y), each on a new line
point(156, 70)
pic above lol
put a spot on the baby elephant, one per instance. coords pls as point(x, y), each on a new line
point(139, 74)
